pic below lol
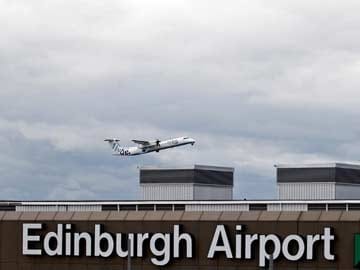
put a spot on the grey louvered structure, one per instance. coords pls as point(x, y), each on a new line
point(195, 183)
point(333, 181)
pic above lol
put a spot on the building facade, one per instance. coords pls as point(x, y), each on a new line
point(193, 230)
point(179, 239)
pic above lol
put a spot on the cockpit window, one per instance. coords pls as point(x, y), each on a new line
point(186, 138)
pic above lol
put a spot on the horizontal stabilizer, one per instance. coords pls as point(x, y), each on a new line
point(112, 140)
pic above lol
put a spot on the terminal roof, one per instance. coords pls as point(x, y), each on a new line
point(192, 167)
point(354, 166)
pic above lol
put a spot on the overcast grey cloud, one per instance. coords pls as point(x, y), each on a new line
point(255, 82)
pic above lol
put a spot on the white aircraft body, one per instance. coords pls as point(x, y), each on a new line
point(145, 147)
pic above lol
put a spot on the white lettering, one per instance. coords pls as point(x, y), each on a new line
point(65, 242)
point(30, 238)
point(140, 241)
point(220, 233)
point(238, 244)
point(82, 236)
point(182, 237)
point(164, 252)
point(103, 237)
point(249, 239)
point(263, 254)
point(311, 240)
point(327, 237)
point(301, 247)
point(119, 246)
point(57, 242)
point(68, 240)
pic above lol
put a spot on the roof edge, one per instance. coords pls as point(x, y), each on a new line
point(319, 165)
point(192, 167)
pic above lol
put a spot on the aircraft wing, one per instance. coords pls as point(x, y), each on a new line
point(147, 144)
point(143, 143)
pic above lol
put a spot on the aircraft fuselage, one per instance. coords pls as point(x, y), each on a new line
point(155, 146)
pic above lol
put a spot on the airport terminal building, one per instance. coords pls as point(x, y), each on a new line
point(187, 219)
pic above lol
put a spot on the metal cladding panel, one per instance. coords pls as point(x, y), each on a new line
point(41, 208)
point(185, 192)
point(348, 192)
point(294, 207)
point(166, 176)
point(306, 191)
point(290, 175)
point(214, 177)
point(58, 208)
point(198, 176)
point(167, 192)
point(84, 208)
point(202, 192)
point(326, 174)
point(274, 207)
point(217, 207)
point(343, 175)
point(287, 207)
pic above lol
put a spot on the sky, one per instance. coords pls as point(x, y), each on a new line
point(256, 83)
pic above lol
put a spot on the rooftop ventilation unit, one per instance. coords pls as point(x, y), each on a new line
point(195, 183)
point(334, 181)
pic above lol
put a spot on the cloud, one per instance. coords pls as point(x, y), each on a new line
point(255, 82)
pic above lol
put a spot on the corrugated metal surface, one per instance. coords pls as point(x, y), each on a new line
point(294, 207)
point(287, 207)
point(167, 191)
point(344, 191)
point(84, 208)
point(185, 192)
point(41, 208)
point(274, 207)
point(306, 191)
point(58, 208)
point(202, 192)
point(217, 207)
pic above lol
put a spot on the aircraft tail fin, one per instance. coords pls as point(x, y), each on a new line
point(114, 144)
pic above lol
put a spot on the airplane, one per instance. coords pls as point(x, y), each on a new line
point(145, 147)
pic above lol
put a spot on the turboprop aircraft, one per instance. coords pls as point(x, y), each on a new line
point(145, 147)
